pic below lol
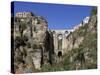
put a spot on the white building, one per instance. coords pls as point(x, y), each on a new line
point(85, 21)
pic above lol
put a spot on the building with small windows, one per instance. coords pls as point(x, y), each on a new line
point(24, 14)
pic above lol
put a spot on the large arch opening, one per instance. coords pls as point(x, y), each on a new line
point(59, 54)
point(60, 41)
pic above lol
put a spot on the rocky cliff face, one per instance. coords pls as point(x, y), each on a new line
point(82, 46)
point(78, 36)
point(32, 43)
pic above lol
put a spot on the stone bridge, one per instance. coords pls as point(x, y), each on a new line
point(60, 37)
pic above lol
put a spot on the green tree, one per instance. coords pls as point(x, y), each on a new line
point(94, 11)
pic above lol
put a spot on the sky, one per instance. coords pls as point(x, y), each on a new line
point(58, 16)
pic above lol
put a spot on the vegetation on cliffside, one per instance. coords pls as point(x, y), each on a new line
point(83, 57)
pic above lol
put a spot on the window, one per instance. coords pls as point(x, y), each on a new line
point(66, 33)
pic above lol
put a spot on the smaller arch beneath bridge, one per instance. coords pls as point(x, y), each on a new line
point(59, 54)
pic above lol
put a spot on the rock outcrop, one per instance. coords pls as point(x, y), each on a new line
point(33, 43)
point(82, 46)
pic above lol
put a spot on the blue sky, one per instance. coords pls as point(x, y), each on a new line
point(59, 16)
